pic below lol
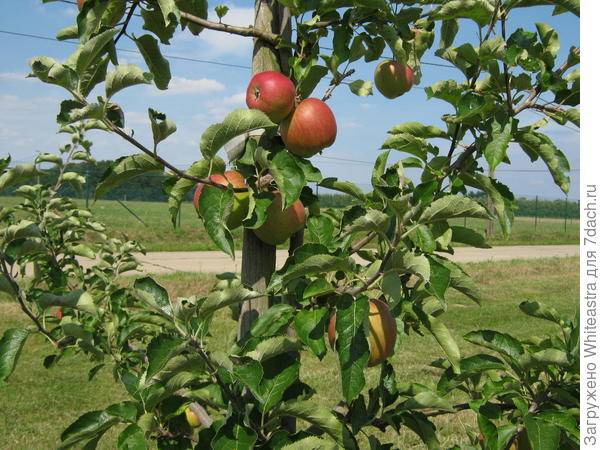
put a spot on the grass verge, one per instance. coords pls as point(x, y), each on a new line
point(38, 403)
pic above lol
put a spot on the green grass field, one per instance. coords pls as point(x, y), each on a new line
point(37, 404)
point(157, 234)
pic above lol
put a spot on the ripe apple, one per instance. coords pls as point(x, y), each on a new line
point(309, 128)
point(382, 332)
point(80, 4)
point(280, 225)
point(393, 79)
point(272, 93)
point(241, 200)
point(192, 418)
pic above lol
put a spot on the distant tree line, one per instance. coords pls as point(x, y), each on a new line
point(149, 187)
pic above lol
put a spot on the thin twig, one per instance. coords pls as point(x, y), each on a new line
point(127, 20)
point(335, 82)
point(271, 38)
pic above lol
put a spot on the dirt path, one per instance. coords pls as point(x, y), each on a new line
point(216, 262)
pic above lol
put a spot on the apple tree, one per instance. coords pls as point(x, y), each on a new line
point(356, 276)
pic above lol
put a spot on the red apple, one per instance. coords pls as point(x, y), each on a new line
point(80, 4)
point(382, 332)
point(309, 128)
point(280, 225)
point(241, 200)
point(272, 93)
point(393, 79)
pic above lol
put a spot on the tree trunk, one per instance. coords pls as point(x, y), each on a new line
point(258, 258)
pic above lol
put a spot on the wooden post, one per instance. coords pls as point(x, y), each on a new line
point(258, 258)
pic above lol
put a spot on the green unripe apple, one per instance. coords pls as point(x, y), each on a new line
point(280, 225)
point(241, 200)
point(192, 418)
point(393, 79)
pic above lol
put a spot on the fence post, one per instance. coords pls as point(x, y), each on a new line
point(566, 211)
point(536, 213)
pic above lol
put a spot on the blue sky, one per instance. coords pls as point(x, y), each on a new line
point(202, 94)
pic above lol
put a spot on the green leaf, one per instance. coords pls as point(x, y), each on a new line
point(541, 434)
point(214, 207)
point(321, 229)
point(88, 53)
point(170, 11)
point(351, 343)
point(311, 326)
point(468, 236)
point(224, 297)
point(156, 62)
point(343, 186)
point(11, 344)
point(453, 206)
point(541, 311)
point(480, 363)
point(423, 428)
point(561, 419)
point(311, 443)
point(419, 130)
point(234, 435)
point(407, 143)
point(310, 80)
point(51, 71)
point(408, 262)
point(320, 417)
point(160, 351)
point(182, 186)
point(162, 127)
point(288, 176)
point(17, 175)
point(542, 146)
point(495, 150)
point(362, 88)
point(125, 168)
point(152, 292)
point(502, 199)
point(309, 259)
point(279, 373)
point(273, 320)
point(132, 438)
point(6, 286)
point(496, 341)
point(272, 347)
point(427, 399)
point(67, 33)
point(422, 237)
point(125, 76)
point(238, 122)
point(480, 11)
point(448, 33)
point(221, 11)
point(443, 337)
point(371, 220)
point(90, 425)
point(569, 5)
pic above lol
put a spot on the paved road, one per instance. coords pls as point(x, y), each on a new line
point(217, 262)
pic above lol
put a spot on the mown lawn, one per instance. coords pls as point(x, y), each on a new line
point(153, 227)
point(38, 403)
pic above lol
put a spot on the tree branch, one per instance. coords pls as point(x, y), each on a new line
point(249, 31)
point(358, 245)
point(164, 162)
point(529, 102)
point(21, 299)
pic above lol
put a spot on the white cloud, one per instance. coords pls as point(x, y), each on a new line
point(180, 85)
point(235, 99)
